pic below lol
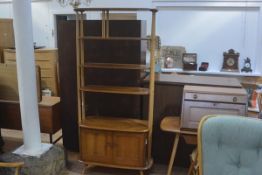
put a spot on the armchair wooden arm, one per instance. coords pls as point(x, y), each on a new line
point(16, 165)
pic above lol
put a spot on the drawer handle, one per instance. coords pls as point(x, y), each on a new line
point(235, 99)
point(195, 96)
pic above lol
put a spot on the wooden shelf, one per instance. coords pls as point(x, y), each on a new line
point(114, 124)
point(113, 38)
point(116, 66)
point(115, 9)
point(116, 90)
point(216, 73)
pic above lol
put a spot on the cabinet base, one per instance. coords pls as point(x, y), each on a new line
point(92, 164)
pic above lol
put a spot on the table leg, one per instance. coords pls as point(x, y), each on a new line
point(173, 155)
point(1, 142)
point(51, 138)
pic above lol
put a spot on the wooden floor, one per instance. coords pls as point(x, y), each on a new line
point(13, 139)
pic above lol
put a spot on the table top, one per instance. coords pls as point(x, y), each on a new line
point(46, 101)
point(178, 79)
point(172, 124)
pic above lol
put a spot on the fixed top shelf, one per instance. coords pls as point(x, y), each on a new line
point(115, 9)
point(114, 124)
point(114, 38)
point(116, 66)
point(116, 89)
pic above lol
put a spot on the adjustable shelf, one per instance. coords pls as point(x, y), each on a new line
point(113, 38)
point(116, 90)
point(115, 9)
point(114, 124)
point(109, 141)
point(116, 66)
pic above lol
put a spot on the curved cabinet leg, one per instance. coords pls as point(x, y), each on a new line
point(84, 170)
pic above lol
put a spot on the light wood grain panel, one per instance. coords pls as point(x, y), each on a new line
point(114, 124)
point(115, 9)
point(95, 146)
point(113, 38)
point(116, 66)
point(49, 115)
point(116, 90)
point(50, 83)
point(6, 33)
point(8, 82)
point(129, 149)
point(46, 59)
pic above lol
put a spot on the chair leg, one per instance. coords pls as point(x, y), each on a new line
point(192, 165)
point(173, 155)
point(141, 172)
point(84, 170)
point(17, 171)
point(190, 171)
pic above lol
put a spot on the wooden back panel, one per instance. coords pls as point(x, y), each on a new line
point(9, 83)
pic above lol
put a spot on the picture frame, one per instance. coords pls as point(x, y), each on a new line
point(189, 61)
point(174, 52)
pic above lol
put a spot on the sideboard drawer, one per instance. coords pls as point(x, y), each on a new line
point(199, 101)
point(216, 98)
point(193, 111)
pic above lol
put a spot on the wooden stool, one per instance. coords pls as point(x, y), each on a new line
point(172, 124)
point(16, 165)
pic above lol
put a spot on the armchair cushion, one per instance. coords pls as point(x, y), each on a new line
point(231, 146)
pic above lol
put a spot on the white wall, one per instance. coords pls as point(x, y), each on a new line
point(207, 28)
point(210, 31)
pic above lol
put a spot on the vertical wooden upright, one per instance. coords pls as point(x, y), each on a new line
point(151, 83)
point(107, 140)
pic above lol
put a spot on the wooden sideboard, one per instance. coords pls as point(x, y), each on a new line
point(49, 115)
point(47, 60)
point(168, 102)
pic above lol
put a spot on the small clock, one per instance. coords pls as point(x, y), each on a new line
point(230, 63)
point(247, 66)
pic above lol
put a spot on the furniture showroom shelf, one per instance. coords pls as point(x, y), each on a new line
point(117, 140)
point(116, 66)
point(114, 124)
point(116, 9)
point(218, 73)
point(114, 38)
point(116, 90)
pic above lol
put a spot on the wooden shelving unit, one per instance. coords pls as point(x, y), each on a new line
point(116, 66)
point(107, 140)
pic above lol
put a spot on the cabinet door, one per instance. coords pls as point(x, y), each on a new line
point(129, 149)
point(193, 111)
point(95, 146)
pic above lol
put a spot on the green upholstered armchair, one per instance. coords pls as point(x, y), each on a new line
point(230, 145)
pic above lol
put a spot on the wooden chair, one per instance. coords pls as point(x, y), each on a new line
point(172, 124)
point(16, 165)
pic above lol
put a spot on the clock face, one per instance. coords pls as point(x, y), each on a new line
point(189, 59)
point(230, 62)
point(247, 65)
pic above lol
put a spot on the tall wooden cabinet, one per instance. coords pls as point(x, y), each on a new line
point(110, 139)
point(99, 50)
